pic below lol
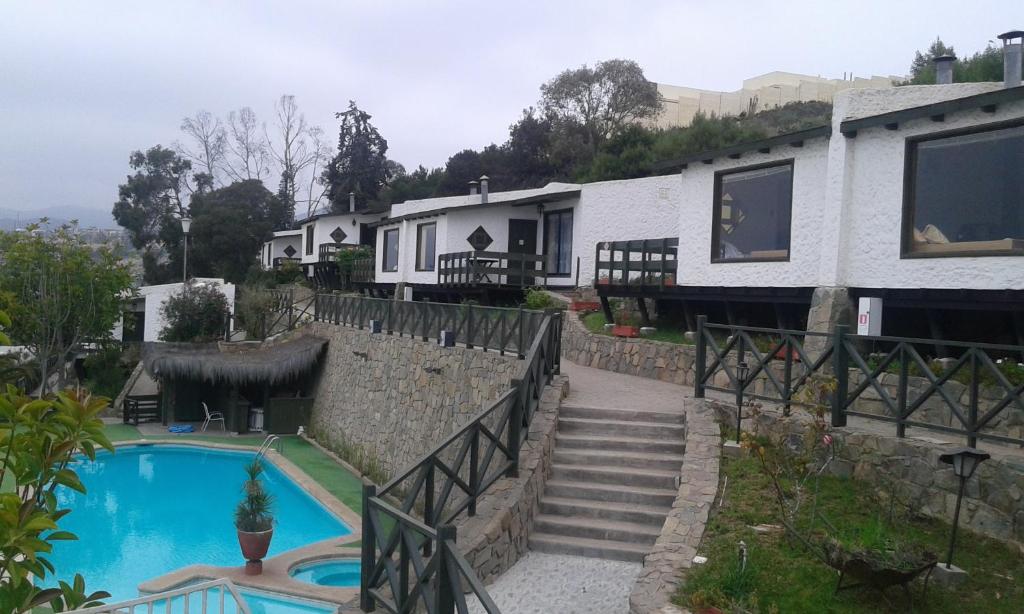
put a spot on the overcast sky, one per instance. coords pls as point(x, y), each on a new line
point(82, 84)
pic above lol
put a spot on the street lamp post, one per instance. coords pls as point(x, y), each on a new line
point(186, 223)
point(742, 371)
point(964, 461)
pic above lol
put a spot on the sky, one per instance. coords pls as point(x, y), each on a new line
point(83, 84)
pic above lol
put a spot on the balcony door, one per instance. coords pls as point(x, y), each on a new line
point(522, 239)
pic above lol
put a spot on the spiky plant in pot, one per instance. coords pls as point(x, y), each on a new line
point(254, 519)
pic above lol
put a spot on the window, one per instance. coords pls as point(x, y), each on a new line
point(752, 211)
point(558, 242)
point(426, 235)
point(964, 194)
point(390, 256)
point(309, 240)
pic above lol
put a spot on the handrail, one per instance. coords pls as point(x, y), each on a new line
point(483, 268)
point(150, 601)
point(407, 562)
point(653, 261)
point(270, 440)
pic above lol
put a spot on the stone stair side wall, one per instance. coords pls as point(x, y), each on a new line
point(670, 362)
point(496, 538)
point(994, 498)
point(672, 554)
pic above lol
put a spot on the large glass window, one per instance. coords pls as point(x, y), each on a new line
point(426, 235)
point(390, 257)
point(558, 242)
point(752, 214)
point(309, 240)
point(965, 194)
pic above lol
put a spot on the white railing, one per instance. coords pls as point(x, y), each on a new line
point(211, 597)
point(272, 441)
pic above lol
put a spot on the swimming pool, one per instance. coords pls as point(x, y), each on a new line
point(150, 510)
point(334, 572)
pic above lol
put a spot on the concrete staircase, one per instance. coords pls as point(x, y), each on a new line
point(613, 481)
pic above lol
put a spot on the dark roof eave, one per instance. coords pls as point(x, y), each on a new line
point(988, 100)
point(517, 202)
point(792, 138)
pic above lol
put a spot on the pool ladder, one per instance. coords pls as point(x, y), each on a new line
point(272, 441)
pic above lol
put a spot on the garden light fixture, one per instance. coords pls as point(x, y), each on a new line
point(742, 371)
point(965, 461)
point(186, 224)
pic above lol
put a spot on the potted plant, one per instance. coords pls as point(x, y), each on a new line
point(254, 520)
point(625, 324)
point(583, 302)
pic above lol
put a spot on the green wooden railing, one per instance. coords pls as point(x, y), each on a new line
point(780, 363)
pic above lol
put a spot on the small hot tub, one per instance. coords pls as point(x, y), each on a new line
point(332, 572)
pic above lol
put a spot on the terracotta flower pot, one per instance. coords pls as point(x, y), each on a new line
point(625, 331)
point(254, 548)
point(585, 306)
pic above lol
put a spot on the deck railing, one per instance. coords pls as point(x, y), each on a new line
point(409, 557)
point(326, 252)
point(280, 260)
point(363, 270)
point(642, 264)
point(480, 268)
point(966, 396)
point(487, 328)
point(202, 598)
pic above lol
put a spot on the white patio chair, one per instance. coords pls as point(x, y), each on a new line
point(213, 417)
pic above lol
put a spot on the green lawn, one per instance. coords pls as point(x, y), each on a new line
point(783, 576)
point(594, 322)
point(336, 479)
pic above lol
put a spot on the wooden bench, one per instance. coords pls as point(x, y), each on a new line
point(142, 409)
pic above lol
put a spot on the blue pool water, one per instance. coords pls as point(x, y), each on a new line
point(338, 572)
point(150, 510)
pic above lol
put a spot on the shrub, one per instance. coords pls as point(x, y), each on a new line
point(107, 371)
point(254, 310)
point(539, 299)
point(197, 315)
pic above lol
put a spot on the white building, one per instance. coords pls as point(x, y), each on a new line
point(147, 307)
point(284, 246)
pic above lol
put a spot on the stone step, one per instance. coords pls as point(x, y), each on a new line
point(596, 528)
point(653, 515)
point(635, 444)
point(628, 428)
point(599, 548)
point(575, 489)
point(618, 458)
point(602, 474)
point(608, 413)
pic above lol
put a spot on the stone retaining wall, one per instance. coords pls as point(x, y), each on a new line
point(994, 500)
point(673, 552)
point(497, 536)
point(396, 398)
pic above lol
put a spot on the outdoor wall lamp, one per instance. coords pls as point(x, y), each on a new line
point(186, 224)
point(742, 371)
point(964, 461)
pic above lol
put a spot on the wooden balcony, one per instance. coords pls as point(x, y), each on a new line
point(363, 270)
point(328, 251)
point(639, 265)
point(480, 269)
point(281, 260)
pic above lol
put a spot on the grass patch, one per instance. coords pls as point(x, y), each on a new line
point(322, 468)
point(594, 322)
point(782, 576)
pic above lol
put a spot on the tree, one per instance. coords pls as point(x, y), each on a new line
point(982, 66)
point(460, 169)
point(150, 204)
point(64, 294)
point(229, 226)
point(197, 314)
point(602, 100)
point(421, 183)
point(250, 155)
point(297, 149)
point(528, 151)
point(361, 164)
point(209, 143)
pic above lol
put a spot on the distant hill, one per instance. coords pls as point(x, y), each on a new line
point(87, 218)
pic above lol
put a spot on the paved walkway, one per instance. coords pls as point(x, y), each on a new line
point(557, 583)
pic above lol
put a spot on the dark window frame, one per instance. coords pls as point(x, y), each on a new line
point(910, 170)
point(384, 251)
point(433, 263)
point(544, 248)
point(716, 211)
point(309, 239)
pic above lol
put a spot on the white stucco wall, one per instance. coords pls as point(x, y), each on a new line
point(623, 210)
point(696, 215)
point(156, 296)
point(276, 246)
point(869, 250)
point(323, 226)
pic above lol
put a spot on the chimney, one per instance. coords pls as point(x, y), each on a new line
point(483, 189)
point(944, 69)
point(472, 188)
point(351, 202)
point(1012, 57)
